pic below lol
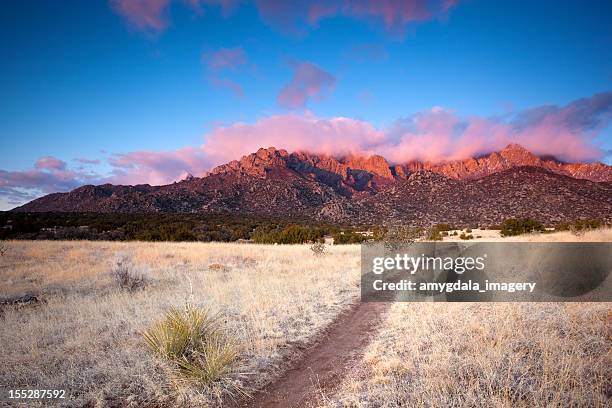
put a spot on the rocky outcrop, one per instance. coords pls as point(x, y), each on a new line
point(512, 156)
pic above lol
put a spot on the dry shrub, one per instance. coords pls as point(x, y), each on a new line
point(318, 248)
point(218, 267)
point(194, 343)
point(3, 248)
point(129, 276)
point(397, 236)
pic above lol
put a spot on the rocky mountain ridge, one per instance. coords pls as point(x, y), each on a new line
point(366, 190)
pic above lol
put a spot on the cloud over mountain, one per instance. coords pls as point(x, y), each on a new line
point(567, 132)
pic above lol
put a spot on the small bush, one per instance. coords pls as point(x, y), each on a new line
point(3, 248)
point(434, 235)
point(464, 236)
point(349, 238)
point(578, 227)
point(468, 230)
point(128, 276)
point(516, 226)
point(318, 248)
point(395, 236)
point(194, 344)
point(292, 234)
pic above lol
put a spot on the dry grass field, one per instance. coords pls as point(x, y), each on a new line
point(85, 336)
point(85, 333)
point(485, 355)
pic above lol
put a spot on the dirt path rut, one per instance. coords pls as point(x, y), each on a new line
point(324, 364)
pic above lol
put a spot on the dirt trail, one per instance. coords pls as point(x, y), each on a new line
point(324, 364)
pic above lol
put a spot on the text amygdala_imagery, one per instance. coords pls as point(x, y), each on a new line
point(490, 271)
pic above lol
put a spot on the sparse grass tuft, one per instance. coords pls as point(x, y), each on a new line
point(318, 248)
point(194, 343)
point(129, 276)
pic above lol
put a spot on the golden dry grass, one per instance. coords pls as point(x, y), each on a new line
point(485, 355)
point(87, 335)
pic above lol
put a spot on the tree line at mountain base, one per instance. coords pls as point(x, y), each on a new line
point(226, 228)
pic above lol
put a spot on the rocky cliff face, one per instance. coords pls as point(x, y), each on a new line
point(512, 156)
point(347, 175)
point(349, 169)
point(273, 182)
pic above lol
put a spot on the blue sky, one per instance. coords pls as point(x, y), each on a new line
point(146, 90)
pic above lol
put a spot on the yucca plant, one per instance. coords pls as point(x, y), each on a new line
point(193, 342)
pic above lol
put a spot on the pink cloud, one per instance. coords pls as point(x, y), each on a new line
point(50, 163)
point(309, 81)
point(434, 135)
point(292, 16)
point(146, 167)
point(395, 15)
point(145, 15)
point(334, 136)
point(151, 16)
point(225, 58)
point(49, 175)
point(567, 132)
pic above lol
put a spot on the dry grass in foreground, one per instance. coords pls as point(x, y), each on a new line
point(86, 336)
point(485, 355)
point(97, 299)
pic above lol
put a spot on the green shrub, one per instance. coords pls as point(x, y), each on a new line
point(349, 238)
point(519, 226)
point(434, 235)
point(443, 227)
point(292, 234)
point(194, 344)
point(579, 225)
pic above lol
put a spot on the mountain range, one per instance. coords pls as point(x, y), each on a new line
point(355, 189)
